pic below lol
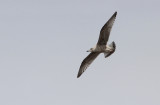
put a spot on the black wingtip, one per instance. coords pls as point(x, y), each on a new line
point(114, 44)
point(78, 75)
point(115, 13)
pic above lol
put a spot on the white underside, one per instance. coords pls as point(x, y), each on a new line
point(103, 49)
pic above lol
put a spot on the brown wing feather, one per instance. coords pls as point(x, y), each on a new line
point(86, 62)
point(105, 31)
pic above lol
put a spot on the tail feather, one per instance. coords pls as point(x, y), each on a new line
point(107, 54)
point(113, 45)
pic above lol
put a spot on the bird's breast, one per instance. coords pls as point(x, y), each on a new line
point(100, 49)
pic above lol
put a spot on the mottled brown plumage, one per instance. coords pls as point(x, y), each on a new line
point(101, 46)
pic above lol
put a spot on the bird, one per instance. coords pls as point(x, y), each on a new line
point(101, 46)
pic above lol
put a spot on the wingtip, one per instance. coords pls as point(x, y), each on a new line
point(78, 75)
point(115, 13)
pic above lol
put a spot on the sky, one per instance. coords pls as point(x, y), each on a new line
point(43, 42)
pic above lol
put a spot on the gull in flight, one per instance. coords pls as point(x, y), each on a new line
point(101, 46)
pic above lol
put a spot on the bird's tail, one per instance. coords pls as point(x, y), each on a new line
point(107, 54)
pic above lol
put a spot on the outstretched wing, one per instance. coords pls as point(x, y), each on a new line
point(86, 62)
point(105, 31)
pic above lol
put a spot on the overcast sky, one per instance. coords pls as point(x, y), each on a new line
point(43, 42)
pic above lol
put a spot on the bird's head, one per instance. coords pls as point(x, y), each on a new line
point(90, 50)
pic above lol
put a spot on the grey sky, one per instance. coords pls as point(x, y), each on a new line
point(43, 42)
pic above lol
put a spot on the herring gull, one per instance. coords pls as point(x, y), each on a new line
point(101, 46)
